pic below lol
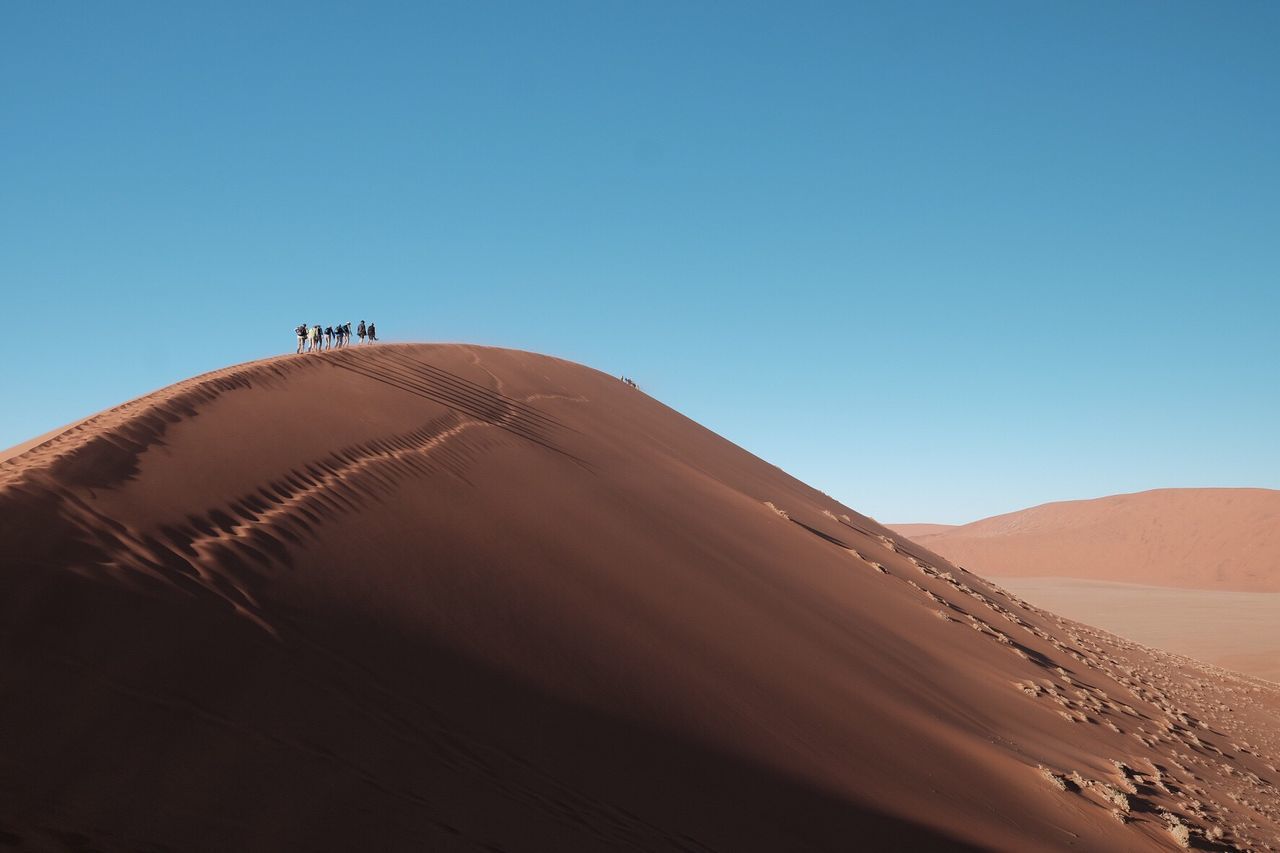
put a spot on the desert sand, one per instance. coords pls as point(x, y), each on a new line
point(1225, 539)
point(1235, 630)
point(424, 597)
point(1178, 569)
point(915, 531)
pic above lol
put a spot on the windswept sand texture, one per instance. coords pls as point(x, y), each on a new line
point(1194, 538)
point(452, 598)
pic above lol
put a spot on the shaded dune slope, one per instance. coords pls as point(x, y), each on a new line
point(1196, 538)
point(458, 598)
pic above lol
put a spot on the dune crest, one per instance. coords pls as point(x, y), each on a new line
point(454, 598)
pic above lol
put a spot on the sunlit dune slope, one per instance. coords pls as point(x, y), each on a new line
point(1199, 538)
point(456, 598)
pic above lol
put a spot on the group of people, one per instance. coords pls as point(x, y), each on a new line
point(628, 382)
point(312, 338)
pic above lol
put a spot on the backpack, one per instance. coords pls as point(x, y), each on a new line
point(301, 331)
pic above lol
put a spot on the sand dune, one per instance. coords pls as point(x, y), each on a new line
point(915, 531)
point(1225, 539)
point(455, 598)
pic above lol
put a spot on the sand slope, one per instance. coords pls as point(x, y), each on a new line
point(1198, 538)
point(454, 598)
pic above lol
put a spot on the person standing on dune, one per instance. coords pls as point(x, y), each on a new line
point(301, 332)
point(373, 334)
point(360, 330)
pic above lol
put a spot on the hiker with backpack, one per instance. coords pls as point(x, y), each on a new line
point(317, 338)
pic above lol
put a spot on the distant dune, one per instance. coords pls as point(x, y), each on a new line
point(1226, 539)
point(914, 531)
point(450, 598)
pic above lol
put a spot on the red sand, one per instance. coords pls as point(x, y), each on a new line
point(454, 598)
point(1226, 539)
point(915, 531)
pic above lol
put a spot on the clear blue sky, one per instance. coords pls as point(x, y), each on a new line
point(940, 260)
